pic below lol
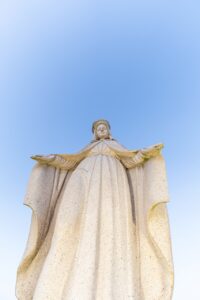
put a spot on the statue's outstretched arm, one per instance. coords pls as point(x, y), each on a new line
point(61, 161)
point(140, 156)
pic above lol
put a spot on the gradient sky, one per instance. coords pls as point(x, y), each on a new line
point(64, 64)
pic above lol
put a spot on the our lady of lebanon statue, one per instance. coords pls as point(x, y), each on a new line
point(99, 227)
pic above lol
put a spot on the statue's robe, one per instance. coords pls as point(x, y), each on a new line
point(99, 227)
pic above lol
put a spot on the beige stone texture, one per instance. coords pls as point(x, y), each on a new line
point(99, 228)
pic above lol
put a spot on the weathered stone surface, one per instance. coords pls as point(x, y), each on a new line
point(99, 229)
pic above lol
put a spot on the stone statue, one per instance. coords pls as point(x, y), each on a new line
point(99, 226)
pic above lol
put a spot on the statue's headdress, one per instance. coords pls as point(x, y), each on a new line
point(95, 125)
point(101, 121)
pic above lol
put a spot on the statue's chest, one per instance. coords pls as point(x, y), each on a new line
point(101, 148)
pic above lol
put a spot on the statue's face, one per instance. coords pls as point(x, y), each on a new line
point(102, 131)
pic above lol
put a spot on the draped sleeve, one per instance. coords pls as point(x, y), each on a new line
point(148, 185)
point(44, 187)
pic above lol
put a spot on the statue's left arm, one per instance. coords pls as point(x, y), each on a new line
point(132, 159)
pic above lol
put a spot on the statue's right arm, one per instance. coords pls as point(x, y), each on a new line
point(65, 162)
point(62, 161)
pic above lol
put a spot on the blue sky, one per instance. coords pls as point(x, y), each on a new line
point(65, 64)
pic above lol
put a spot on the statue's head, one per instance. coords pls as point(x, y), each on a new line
point(101, 129)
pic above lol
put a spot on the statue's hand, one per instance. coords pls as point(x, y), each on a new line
point(43, 158)
point(152, 151)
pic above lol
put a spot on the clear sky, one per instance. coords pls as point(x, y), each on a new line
point(64, 64)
